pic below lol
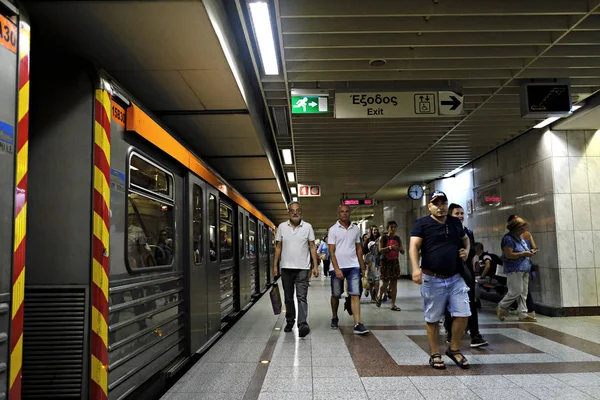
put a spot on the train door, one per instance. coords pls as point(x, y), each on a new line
point(199, 255)
point(243, 261)
point(263, 257)
point(14, 47)
point(252, 258)
point(225, 273)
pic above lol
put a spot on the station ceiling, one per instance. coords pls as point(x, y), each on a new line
point(168, 54)
point(483, 49)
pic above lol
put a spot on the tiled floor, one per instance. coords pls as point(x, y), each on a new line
point(557, 358)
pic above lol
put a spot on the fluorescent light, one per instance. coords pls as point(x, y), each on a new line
point(287, 156)
point(550, 120)
point(453, 172)
point(293, 190)
point(294, 199)
point(261, 20)
point(291, 177)
point(547, 121)
point(133, 168)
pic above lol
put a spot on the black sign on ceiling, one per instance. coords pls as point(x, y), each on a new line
point(541, 100)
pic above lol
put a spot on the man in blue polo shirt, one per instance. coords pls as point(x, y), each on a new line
point(443, 245)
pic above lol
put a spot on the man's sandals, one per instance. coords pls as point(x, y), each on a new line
point(463, 363)
point(435, 360)
point(437, 364)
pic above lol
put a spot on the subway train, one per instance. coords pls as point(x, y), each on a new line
point(138, 254)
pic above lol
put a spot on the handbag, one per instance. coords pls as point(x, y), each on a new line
point(275, 299)
point(365, 282)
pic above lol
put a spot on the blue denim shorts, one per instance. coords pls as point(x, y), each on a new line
point(440, 293)
point(352, 275)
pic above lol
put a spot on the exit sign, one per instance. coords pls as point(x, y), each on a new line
point(310, 104)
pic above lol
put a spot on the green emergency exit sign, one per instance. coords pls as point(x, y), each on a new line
point(310, 104)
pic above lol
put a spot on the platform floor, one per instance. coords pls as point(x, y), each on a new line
point(555, 358)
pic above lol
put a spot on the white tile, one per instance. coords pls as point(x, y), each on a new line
point(378, 384)
point(487, 381)
point(579, 174)
point(598, 285)
point(595, 210)
point(337, 385)
point(576, 142)
point(289, 372)
point(593, 164)
point(561, 175)
point(582, 217)
point(584, 249)
point(596, 235)
point(566, 249)
point(593, 391)
point(342, 395)
point(588, 294)
point(564, 212)
point(534, 380)
point(463, 394)
point(437, 382)
point(286, 396)
point(558, 393)
point(579, 379)
point(278, 385)
point(569, 287)
point(592, 139)
point(559, 144)
point(506, 394)
point(334, 372)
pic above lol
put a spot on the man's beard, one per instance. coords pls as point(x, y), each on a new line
point(295, 220)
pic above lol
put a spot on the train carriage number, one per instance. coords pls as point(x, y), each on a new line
point(118, 114)
point(8, 33)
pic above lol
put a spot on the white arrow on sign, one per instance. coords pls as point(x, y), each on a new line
point(312, 104)
point(450, 103)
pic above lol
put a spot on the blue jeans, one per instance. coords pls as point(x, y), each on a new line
point(439, 293)
point(352, 275)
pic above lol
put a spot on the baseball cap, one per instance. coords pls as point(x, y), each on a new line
point(436, 194)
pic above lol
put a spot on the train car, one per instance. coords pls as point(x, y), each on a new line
point(14, 116)
point(139, 254)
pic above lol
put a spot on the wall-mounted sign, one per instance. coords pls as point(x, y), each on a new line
point(487, 195)
point(309, 190)
point(397, 104)
point(357, 202)
point(310, 104)
point(542, 100)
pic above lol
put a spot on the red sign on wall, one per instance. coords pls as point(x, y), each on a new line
point(309, 190)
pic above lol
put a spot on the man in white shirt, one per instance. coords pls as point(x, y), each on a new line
point(295, 246)
point(345, 250)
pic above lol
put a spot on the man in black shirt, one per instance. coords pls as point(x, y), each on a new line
point(443, 245)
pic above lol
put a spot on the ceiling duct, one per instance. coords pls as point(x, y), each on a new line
point(280, 118)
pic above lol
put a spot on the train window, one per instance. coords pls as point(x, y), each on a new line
point(226, 238)
point(145, 175)
point(252, 239)
point(197, 224)
point(241, 234)
point(265, 240)
point(212, 226)
point(246, 237)
point(226, 231)
point(225, 213)
point(150, 230)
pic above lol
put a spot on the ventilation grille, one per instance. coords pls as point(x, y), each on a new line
point(281, 121)
point(53, 343)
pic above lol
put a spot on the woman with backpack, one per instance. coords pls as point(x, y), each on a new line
point(390, 246)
